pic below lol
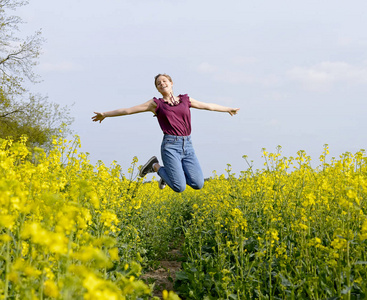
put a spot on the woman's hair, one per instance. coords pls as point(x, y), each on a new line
point(165, 75)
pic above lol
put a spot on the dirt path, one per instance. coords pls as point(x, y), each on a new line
point(164, 275)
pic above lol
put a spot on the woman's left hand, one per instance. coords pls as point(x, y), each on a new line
point(98, 117)
point(233, 111)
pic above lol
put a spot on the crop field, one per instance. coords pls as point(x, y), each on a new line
point(73, 230)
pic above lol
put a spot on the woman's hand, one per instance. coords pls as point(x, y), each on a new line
point(233, 111)
point(98, 117)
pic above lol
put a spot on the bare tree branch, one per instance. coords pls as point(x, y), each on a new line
point(22, 113)
point(10, 113)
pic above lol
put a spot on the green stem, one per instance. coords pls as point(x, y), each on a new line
point(270, 270)
point(348, 271)
point(7, 266)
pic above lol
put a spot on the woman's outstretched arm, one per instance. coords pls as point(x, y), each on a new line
point(213, 107)
point(147, 106)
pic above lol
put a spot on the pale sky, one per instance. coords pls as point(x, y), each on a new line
point(296, 69)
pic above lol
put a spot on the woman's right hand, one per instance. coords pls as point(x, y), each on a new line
point(98, 117)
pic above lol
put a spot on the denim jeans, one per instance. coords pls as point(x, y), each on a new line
point(181, 165)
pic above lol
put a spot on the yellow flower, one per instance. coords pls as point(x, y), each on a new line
point(7, 221)
point(51, 289)
point(339, 243)
point(114, 253)
point(31, 271)
point(363, 233)
point(92, 282)
point(5, 237)
point(303, 226)
point(169, 295)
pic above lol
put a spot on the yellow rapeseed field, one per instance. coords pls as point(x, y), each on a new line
point(73, 230)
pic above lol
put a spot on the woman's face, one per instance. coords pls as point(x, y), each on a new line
point(164, 85)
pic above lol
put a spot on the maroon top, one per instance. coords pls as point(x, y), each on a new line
point(176, 119)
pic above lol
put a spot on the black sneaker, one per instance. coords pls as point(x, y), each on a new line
point(162, 184)
point(148, 167)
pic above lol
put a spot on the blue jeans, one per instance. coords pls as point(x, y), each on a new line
point(181, 165)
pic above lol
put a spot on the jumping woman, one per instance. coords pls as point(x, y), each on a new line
point(180, 164)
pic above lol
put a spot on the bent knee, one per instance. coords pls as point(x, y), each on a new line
point(197, 185)
point(179, 188)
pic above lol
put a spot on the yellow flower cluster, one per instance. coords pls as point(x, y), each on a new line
point(65, 229)
point(72, 230)
point(286, 231)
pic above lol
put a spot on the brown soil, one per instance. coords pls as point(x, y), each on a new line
point(164, 275)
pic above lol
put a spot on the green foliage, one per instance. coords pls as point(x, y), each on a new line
point(21, 112)
point(70, 230)
point(38, 119)
point(275, 234)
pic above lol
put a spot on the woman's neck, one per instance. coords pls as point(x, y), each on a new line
point(167, 95)
point(170, 98)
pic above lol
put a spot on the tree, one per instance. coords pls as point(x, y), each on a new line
point(22, 112)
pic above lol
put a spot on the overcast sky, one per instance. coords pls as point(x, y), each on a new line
point(296, 69)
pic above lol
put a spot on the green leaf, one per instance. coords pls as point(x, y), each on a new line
point(346, 290)
point(181, 275)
